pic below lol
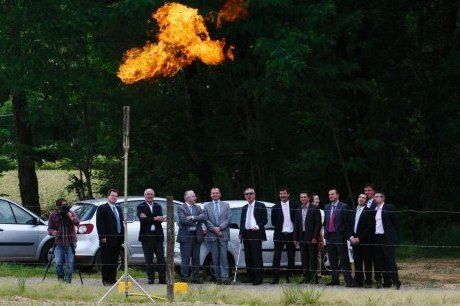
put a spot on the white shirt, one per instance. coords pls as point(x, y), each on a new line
point(288, 227)
point(191, 228)
point(359, 211)
point(150, 206)
point(250, 220)
point(369, 202)
point(378, 220)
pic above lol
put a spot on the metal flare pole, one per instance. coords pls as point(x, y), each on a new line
point(126, 276)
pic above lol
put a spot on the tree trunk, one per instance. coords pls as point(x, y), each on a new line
point(28, 183)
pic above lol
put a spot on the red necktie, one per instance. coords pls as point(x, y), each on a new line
point(332, 221)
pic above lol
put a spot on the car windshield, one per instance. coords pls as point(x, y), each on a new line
point(84, 211)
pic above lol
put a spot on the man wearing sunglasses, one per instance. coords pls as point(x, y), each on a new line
point(252, 232)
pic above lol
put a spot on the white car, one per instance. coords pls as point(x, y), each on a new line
point(87, 250)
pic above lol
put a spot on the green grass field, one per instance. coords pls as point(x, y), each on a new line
point(51, 185)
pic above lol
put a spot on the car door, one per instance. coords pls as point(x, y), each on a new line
point(19, 233)
point(135, 252)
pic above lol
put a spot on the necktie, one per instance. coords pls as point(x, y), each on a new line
point(304, 217)
point(332, 221)
point(216, 212)
point(115, 213)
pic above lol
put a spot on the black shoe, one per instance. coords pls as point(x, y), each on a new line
point(288, 280)
point(60, 278)
point(196, 281)
point(151, 281)
point(183, 279)
point(274, 282)
point(107, 284)
point(358, 285)
point(398, 285)
point(386, 285)
point(259, 282)
point(368, 285)
point(349, 285)
point(304, 280)
point(226, 282)
point(333, 284)
point(378, 285)
point(247, 281)
point(162, 281)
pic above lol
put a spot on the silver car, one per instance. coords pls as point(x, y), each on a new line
point(23, 235)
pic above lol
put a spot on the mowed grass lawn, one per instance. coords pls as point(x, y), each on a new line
point(51, 186)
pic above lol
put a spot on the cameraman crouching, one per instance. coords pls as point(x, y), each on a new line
point(61, 225)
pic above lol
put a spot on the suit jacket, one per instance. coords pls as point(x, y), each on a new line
point(277, 218)
point(225, 217)
point(106, 224)
point(390, 223)
point(145, 232)
point(366, 226)
point(260, 214)
point(199, 218)
point(312, 224)
point(342, 225)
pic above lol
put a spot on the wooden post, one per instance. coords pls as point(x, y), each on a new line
point(170, 248)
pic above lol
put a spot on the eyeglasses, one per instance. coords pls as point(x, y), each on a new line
point(248, 193)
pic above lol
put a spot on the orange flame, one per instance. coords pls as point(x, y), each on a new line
point(231, 11)
point(182, 38)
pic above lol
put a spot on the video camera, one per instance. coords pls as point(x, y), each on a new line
point(63, 210)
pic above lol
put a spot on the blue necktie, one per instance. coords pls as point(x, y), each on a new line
point(216, 212)
point(118, 219)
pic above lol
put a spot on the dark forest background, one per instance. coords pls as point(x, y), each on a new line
point(320, 94)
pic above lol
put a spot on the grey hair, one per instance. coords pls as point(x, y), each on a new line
point(188, 193)
point(249, 189)
point(149, 190)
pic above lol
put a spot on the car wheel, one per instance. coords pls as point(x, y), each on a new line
point(98, 264)
point(45, 255)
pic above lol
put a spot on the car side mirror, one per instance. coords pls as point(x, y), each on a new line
point(234, 225)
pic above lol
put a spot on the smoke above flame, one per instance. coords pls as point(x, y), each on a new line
point(232, 10)
point(182, 39)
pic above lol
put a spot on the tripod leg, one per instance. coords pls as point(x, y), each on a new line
point(79, 274)
point(50, 261)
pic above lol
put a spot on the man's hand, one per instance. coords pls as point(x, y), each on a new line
point(55, 232)
point(188, 218)
point(313, 240)
point(142, 215)
point(158, 218)
point(103, 240)
point(217, 230)
point(69, 215)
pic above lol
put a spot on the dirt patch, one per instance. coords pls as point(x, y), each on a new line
point(430, 273)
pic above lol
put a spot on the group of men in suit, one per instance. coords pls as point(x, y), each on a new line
point(371, 229)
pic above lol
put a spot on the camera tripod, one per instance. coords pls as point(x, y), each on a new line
point(50, 261)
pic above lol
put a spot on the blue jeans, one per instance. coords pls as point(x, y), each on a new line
point(61, 254)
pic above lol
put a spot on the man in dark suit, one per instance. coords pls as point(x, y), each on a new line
point(361, 240)
point(109, 223)
point(386, 238)
point(337, 230)
point(190, 236)
point(283, 218)
point(306, 232)
point(218, 217)
point(252, 232)
point(151, 236)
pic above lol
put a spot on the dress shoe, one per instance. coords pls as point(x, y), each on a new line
point(107, 284)
point(305, 280)
point(368, 285)
point(386, 285)
point(349, 285)
point(219, 282)
point(333, 284)
point(183, 279)
point(358, 285)
point(247, 281)
point(197, 281)
point(378, 285)
point(151, 281)
point(398, 285)
point(258, 282)
point(288, 280)
point(275, 281)
point(162, 281)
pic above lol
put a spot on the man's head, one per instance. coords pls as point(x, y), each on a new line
point(283, 193)
point(304, 199)
point(333, 195)
point(215, 194)
point(190, 197)
point(61, 202)
point(112, 196)
point(250, 195)
point(369, 190)
point(314, 197)
point(149, 194)
point(379, 198)
point(362, 199)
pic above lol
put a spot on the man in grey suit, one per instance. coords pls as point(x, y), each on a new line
point(190, 236)
point(218, 216)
